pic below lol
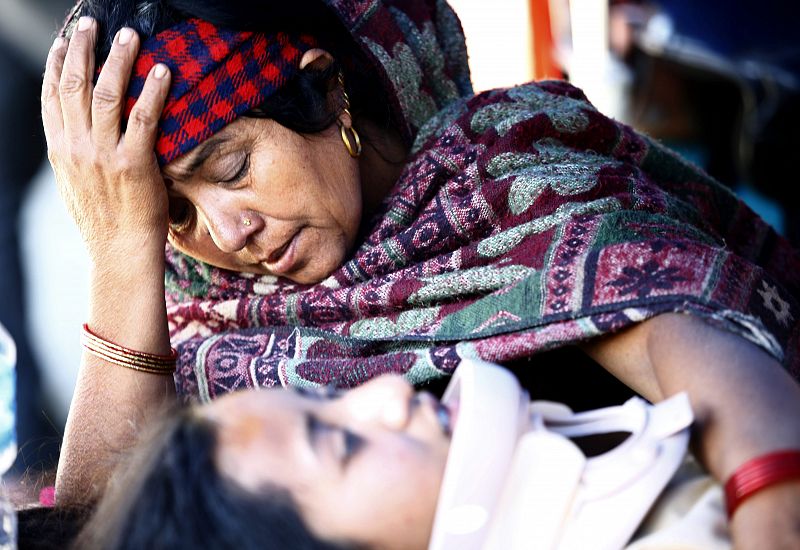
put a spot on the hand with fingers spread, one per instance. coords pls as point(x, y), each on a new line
point(109, 179)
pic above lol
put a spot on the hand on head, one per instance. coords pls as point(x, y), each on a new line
point(109, 179)
point(250, 194)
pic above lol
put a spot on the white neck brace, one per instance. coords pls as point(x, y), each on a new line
point(514, 480)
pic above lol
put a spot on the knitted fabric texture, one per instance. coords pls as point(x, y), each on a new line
point(523, 220)
point(217, 75)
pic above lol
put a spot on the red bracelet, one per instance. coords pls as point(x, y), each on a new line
point(760, 473)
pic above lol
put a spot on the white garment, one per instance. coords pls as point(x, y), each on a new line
point(689, 515)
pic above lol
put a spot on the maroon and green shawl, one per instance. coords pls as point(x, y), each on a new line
point(524, 220)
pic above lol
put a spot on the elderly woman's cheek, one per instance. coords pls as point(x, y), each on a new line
point(197, 243)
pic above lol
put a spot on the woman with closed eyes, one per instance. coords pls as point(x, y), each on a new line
point(284, 469)
point(309, 193)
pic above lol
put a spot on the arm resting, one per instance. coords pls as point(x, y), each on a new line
point(745, 405)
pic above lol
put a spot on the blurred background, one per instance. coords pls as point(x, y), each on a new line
point(718, 81)
point(42, 266)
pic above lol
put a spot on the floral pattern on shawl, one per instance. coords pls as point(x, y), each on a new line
point(418, 49)
point(524, 220)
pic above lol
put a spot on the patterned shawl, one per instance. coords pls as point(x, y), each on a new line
point(524, 220)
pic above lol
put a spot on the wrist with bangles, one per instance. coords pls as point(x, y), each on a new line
point(761, 473)
point(119, 355)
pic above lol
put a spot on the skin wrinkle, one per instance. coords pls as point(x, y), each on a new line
point(197, 157)
point(296, 184)
point(302, 191)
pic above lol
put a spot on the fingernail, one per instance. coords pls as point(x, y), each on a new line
point(160, 71)
point(59, 41)
point(84, 23)
point(124, 36)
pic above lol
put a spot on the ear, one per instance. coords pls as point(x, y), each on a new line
point(316, 59)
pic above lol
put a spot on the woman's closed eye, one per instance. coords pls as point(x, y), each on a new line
point(352, 444)
point(239, 174)
point(339, 441)
point(318, 392)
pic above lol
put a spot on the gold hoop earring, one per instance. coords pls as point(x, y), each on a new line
point(354, 150)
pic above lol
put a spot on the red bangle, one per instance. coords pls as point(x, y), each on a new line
point(760, 473)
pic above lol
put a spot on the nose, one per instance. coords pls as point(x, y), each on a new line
point(230, 228)
point(386, 401)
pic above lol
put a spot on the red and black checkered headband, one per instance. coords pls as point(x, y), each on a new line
point(217, 75)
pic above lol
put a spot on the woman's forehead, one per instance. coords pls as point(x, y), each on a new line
point(263, 399)
point(240, 132)
point(269, 417)
point(261, 440)
point(184, 166)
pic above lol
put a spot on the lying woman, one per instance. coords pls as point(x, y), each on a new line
point(337, 204)
point(365, 469)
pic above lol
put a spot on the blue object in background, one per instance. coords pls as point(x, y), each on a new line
point(8, 436)
point(765, 30)
point(737, 62)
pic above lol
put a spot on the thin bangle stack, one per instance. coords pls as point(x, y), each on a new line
point(128, 358)
point(761, 473)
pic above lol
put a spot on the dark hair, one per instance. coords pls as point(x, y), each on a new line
point(169, 494)
point(302, 105)
point(46, 528)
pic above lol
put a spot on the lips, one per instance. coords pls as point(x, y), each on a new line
point(282, 259)
point(280, 251)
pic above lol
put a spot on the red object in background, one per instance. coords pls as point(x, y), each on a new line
point(544, 64)
point(47, 496)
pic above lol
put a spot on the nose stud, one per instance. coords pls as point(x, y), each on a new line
point(247, 222)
